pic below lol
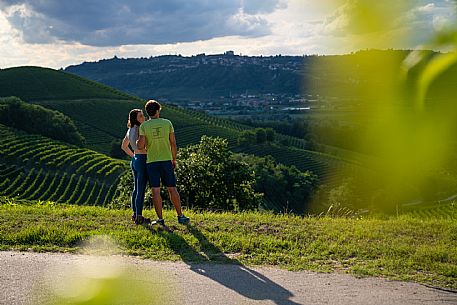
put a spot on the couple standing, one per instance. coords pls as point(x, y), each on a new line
point(153, 159)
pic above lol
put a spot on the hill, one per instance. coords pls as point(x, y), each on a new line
point(35, 84)
point(100, 115)
point(39, 168)
point(276, 87)
point(210, 77)
point(178, 77)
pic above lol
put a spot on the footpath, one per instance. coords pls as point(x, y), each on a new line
point(26, 278)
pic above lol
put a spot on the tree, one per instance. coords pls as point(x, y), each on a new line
point(209, 177)
point(246, 137)
point(285, 188)
point(260, 135)
point(270, 134)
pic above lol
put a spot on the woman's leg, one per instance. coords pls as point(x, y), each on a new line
point(135, 186)
point(141, 183)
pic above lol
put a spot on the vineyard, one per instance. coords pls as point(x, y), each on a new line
point(35, 83)
point(102, 121)
point(100, 113)
point(434, 210)
point(37, 168)
point(327, 168)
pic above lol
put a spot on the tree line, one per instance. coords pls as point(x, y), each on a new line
point(37, 119)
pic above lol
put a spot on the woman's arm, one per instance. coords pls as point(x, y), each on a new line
point(125, 147)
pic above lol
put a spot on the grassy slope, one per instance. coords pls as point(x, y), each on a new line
point(402, 248)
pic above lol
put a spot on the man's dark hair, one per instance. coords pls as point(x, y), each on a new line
point(152, 107)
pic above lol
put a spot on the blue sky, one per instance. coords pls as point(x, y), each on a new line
point(57, 33)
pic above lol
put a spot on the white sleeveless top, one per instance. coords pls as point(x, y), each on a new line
point(133, 134)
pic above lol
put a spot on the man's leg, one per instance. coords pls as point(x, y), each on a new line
point(157, 199)
point(175, 199)
point(153, 173)
point(169, 179)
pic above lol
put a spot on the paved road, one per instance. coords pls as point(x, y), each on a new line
point(24, 277)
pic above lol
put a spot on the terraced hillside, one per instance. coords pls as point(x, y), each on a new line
point(100, 113)
point(108, 122)
point(39, 168)
point(101, 121)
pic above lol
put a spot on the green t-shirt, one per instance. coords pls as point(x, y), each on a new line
point(157, 133)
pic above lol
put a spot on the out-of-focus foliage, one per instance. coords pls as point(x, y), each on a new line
point(100, 280)
point(408, 103)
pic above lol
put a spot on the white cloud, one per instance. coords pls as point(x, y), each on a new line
point(427, 8)
point(300, 27)
point(118, 22)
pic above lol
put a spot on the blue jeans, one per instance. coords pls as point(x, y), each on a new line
point(138, 165)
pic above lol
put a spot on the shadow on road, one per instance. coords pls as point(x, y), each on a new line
point(232, 274)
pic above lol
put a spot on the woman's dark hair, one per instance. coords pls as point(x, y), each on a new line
point(133, 118)
point(152, 107)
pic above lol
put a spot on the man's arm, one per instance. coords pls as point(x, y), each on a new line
point(174, 149)
point(125, 147)
point(141, 142)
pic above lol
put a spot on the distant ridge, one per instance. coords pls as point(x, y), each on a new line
point(212, 76)
point(201, 76)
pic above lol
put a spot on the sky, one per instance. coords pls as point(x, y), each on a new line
point(59, 33)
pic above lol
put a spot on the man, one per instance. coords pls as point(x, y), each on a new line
point(158, 137)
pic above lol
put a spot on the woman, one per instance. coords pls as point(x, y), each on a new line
point(138, 164)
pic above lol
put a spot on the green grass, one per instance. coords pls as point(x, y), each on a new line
point(401, 248)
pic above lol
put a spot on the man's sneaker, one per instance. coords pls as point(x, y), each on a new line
point(183, 219)
point(159, 221)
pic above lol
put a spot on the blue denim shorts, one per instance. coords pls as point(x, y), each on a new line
point(161, 170)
